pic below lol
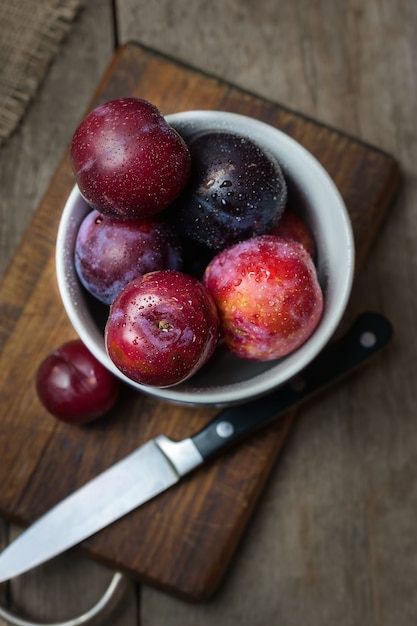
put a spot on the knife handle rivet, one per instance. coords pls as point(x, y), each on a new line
point(368, 339)
point(224, 429)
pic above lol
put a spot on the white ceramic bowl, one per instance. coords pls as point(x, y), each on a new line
point(226, 379)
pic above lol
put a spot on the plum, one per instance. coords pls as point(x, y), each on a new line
point(162, 328)
point(267, 294)
point(73, 386)
point(292, 226)
point(109, 253)
point(236, 190)
point(127, 160)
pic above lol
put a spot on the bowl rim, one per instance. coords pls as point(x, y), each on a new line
point(257, 385)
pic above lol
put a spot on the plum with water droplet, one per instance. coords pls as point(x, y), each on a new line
point(127, 160)
point(162, 328)
point(109, 252)
point(236, 190)
point(267, 294)
point(293, 226)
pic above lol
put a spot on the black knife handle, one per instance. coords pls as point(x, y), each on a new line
point(369, 333)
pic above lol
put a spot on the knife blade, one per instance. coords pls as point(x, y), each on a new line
point(162, 462)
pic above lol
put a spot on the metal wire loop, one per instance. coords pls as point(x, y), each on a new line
point(105, 604)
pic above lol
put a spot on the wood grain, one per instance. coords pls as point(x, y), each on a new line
point(333, 538)
point(183, 541)
point(27, 164)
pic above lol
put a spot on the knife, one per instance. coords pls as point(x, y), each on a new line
point(162, 462)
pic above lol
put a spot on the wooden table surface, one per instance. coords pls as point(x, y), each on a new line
point(334, 539)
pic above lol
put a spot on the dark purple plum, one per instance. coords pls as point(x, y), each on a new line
point(235, 191)
point(109, 252)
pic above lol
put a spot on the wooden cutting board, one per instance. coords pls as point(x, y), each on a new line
point(182, 541)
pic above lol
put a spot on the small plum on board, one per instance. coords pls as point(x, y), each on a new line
point(127, 160)
point(73, 386)
point(162, 328)
point(268, 296)
point(109, 253)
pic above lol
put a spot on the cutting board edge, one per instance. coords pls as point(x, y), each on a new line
point(121, 50)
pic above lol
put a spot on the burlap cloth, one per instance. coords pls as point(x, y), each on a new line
point(30, 34)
